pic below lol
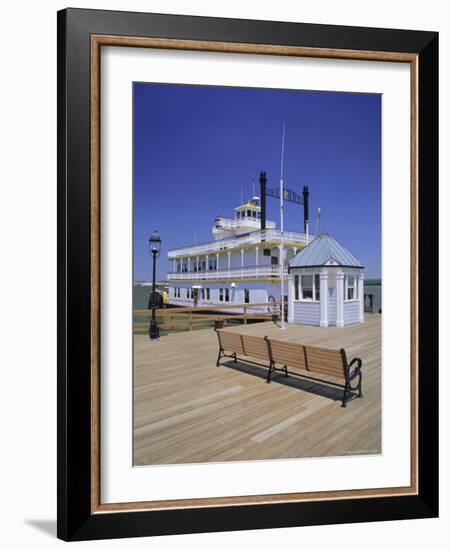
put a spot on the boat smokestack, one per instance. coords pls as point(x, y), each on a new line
point(305, 207)
point(263, 183)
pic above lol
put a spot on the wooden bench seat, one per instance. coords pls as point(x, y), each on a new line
point(302, 360)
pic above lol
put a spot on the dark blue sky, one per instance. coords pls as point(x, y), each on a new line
point(196, 146)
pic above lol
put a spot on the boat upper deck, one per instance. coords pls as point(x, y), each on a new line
point(253, 238)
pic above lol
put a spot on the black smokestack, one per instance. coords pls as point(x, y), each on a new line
point(263, 183)
point(305, 206)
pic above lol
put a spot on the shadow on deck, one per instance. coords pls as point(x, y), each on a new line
point(323, 388)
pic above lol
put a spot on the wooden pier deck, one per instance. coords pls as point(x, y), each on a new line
point(186, 410)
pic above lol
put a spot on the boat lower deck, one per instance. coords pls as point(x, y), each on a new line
point(186, 410)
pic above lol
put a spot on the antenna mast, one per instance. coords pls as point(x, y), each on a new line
point(316, 232)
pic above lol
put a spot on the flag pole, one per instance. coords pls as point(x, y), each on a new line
point(282, 227)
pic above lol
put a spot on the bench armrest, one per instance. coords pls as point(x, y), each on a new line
point(354, 371)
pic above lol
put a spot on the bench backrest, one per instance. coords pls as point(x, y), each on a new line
point(325, 361)
point(230, 341)
point(314, 359)
point(255, 346)
point(287, 353)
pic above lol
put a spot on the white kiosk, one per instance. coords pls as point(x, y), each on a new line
point(326, 285)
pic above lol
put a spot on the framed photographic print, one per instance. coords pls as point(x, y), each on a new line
point(247, 262)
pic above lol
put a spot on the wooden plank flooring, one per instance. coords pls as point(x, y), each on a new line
point(186, 410)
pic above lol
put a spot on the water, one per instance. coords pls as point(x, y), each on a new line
point(375, 293)
point(141, 295)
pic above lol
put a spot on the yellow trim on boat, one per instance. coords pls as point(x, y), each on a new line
point(237, 279)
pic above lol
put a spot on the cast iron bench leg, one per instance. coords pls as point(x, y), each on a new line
point(344, 400)
point(269, 373)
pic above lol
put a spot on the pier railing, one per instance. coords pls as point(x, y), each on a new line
point(203, 316)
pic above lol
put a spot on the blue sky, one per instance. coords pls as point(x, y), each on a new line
point(195, 147)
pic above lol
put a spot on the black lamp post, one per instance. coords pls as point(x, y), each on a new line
point(155, 249)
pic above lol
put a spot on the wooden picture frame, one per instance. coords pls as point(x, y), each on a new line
point(81, 35)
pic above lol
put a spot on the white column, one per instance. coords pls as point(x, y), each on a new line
point(339, 299)
point(242, 262)
point(229, 259)
point(361, 297)
point(174, 265)
point(198, 259)
point(257, 255)
point(291, 299)
point(207, 263)
point(189, 263)
point(217, 261)
point(324, 299)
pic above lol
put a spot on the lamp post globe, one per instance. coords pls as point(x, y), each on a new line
point(154, 250)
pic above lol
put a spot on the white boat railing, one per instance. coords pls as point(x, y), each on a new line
point(231, 223)
point(253, 272)
point(254, 237)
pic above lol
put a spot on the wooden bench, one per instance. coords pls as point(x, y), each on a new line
point(302, 360)
point(242, 345)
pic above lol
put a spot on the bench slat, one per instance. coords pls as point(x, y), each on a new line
point(230, 341)
point(287, 353)
point(325, 361)
point(255, 346)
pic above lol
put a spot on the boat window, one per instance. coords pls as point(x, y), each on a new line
point(249, 213)
point(246, 295)
point(274, 260)
point(307, 287)
point(220, 294)
point(296, 289)
point(238, 214)
point(227, 295)
point(207, 294)
point(266, 252)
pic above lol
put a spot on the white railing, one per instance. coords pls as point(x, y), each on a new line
point(254, 237)
point(231, 223)
point(234, 273)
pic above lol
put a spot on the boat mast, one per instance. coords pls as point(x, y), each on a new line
point(282, 227)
